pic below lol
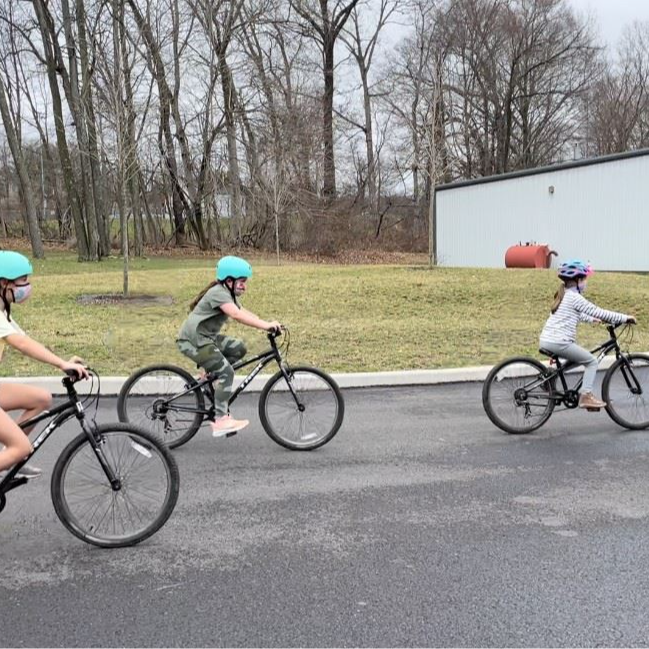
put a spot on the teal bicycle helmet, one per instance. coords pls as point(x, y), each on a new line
point(234, 267)
point(14, 265)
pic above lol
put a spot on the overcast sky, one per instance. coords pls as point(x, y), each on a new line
point(612, 15)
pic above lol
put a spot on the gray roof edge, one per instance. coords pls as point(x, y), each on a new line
point(584, 162)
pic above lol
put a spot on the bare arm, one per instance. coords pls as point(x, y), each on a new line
point(248, 318)
point(32, 348)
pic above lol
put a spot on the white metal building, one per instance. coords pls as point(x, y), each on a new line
point(596, 209)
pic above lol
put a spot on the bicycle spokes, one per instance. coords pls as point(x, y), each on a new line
point(626, 391)
point(122, 509)
point(518, 396)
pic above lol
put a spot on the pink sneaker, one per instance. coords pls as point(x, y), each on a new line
point(227, 426)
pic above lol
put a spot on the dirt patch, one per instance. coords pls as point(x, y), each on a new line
point(135, 300)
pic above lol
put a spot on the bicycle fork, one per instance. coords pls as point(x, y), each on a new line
point(96, 442)
point(630, 378)
point(300, 406)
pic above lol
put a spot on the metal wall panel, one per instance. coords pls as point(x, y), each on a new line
point(598, 213)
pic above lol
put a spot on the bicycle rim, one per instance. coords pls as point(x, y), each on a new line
point(513, 398)
point(145, 402)
point(309, 422)
point(619, 390)
point(86, 502)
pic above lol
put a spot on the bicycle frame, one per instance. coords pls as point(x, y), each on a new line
point(600, 351)
point(58, 416)
point(205, 384)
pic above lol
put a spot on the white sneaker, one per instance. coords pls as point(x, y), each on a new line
point(28, 471)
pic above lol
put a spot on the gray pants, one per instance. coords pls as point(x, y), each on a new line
point(217, 357)
point(576, 354)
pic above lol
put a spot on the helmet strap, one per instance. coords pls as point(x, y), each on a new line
point(230, 288)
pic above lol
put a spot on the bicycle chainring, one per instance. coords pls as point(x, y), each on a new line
point(571, 399)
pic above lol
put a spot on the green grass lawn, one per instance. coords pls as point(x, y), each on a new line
point(342, 318)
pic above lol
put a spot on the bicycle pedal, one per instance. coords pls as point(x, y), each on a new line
point(593, 409)
point(234, 432)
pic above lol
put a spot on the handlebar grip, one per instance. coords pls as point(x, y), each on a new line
point(71, 375)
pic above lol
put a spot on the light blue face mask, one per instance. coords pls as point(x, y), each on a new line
point(22, 292)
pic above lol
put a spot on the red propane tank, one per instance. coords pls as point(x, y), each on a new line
point(529, 256)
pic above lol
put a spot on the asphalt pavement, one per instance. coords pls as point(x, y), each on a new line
point(420, 524)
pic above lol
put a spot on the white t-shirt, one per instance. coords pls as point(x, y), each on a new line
point(7, 328)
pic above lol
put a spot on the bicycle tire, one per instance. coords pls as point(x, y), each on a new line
point(276, 402)
point(140, 410)
point(133, 454)
point(514, 369)
point(617, 395)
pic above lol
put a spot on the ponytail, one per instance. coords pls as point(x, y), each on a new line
point(558, 296)
point(198, 298)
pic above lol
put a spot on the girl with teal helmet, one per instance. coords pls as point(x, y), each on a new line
point(200, 337)
point(15, 288)
point(560, 331)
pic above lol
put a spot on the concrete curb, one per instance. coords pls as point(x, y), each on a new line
point(111, 385)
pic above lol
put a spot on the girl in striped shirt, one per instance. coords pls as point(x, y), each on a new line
point(560, 331)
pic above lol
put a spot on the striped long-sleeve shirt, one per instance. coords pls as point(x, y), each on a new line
point(561, 326)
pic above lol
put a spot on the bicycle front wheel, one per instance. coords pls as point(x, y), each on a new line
point(626, 391)
point(148, 399)
point(517, 395)
point(303, 413)
point(96, 512)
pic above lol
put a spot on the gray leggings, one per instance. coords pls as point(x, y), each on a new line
point(576, 354)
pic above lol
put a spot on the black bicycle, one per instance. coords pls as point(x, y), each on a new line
point(301, 408)
point(520, 394)
point(113, 485)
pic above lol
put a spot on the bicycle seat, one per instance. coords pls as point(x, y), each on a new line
point(547, 352)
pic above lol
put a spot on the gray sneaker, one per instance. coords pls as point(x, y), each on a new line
point(29, 471)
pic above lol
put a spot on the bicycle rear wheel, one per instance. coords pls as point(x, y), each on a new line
point(626, 391)
point(146, 399)
point(87, 504)
point(312, 420)
point(517, 396)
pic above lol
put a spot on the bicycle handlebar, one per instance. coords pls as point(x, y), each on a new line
point(72, 377)
point(275, 333)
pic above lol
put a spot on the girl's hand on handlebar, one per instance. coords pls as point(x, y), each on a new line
point(274, 326)
point(631, 320)
point(79, 369)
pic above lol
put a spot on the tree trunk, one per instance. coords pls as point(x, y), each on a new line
point(329, 180)
point(76, 106)
point(87, 103)
point(31, 218)
point(48, 34)
point(227, 84)
point(165, 138)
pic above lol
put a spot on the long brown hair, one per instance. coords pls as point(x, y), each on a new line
point(561, 291)
point(197, 299)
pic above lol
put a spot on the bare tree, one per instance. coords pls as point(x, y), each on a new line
point(12, 125)
point(363, 49)
point(324, 26)
point(166, 144)
point(616, 111)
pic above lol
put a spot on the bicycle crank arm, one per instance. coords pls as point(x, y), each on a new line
point(13, 483)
